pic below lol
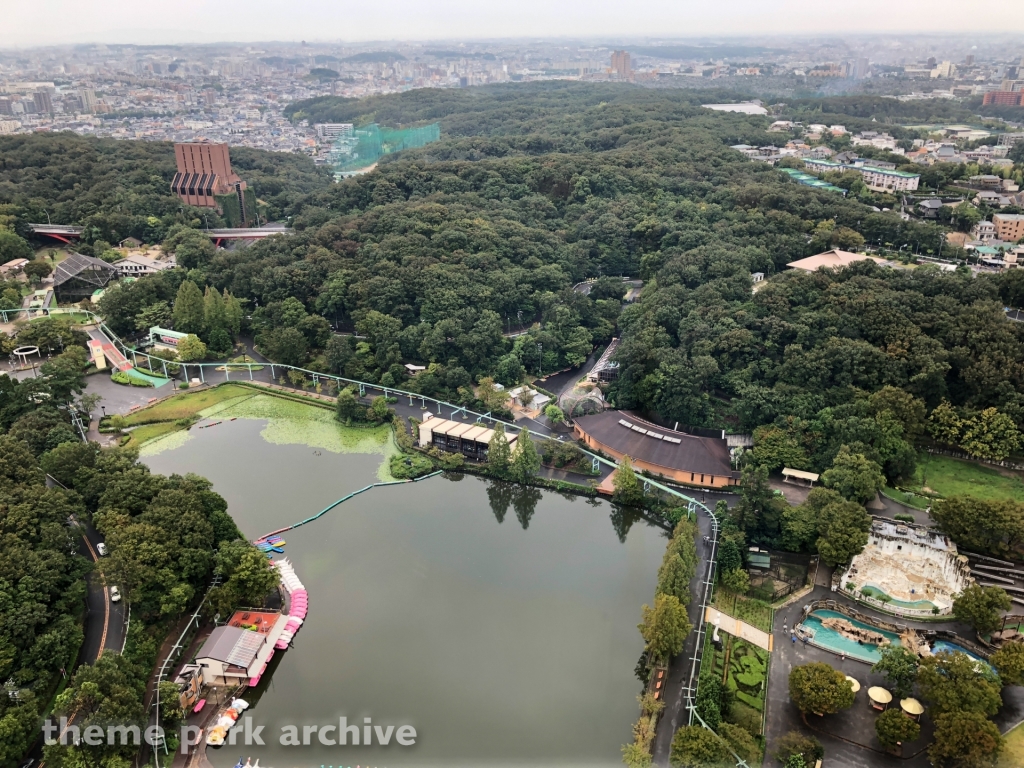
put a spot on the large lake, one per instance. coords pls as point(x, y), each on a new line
point(500, 623)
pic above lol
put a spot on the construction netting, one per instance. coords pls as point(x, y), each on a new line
point(360, 150)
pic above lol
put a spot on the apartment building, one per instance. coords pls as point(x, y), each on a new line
point(877, 179)
point(1009, 226)
point(331, 131)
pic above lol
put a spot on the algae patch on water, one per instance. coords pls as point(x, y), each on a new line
point(167, 442)
point(294, 423)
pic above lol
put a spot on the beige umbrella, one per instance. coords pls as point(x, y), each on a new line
point(880, 697)
point(853, 683)
point(912, 707)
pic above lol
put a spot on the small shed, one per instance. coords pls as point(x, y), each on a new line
point(412, 370)
point(799, 477)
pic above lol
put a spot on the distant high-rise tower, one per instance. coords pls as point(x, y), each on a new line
point(43, 102)
point(621, 65)
point(205, 179)
point(87, 98)
point(860, 68)
point(969, 60)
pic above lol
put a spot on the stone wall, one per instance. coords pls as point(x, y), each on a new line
point(909, 563)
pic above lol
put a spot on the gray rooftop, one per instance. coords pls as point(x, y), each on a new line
point(78, 265)
point(231, 645)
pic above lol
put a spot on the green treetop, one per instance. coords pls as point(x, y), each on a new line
point(498, 452)
point(525, 461)
point(665, 626)
point(980, 607)
point(189, 309)
point(627, 485)
point(818, 688)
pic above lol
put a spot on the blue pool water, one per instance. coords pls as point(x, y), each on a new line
point(831, 640)
point(878, 592)
point(942, 645)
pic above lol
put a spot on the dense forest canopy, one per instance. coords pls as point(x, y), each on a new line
point(531, 189)
point(891, 110)
point(534, 188)
point(807, 350)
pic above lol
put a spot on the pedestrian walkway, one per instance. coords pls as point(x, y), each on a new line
point(739, 629)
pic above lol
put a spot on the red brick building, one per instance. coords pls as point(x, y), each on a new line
point(1004, 98)
point(205, 179)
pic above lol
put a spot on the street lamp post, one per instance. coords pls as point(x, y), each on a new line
point(540, 358)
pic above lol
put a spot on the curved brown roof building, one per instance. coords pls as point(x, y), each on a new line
point(676, 456)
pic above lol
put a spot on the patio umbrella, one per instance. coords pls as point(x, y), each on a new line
point(853, 683)
point(912, 707)
point(879, 695)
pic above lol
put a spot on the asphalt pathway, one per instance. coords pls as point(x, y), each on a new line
point(106, 622)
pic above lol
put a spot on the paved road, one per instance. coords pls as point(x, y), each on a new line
point(105, 625)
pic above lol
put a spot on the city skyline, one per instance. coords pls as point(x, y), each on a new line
point(200, 21)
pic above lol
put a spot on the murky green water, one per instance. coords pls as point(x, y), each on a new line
point(499, 622)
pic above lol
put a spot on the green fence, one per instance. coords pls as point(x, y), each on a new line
point(365, 146)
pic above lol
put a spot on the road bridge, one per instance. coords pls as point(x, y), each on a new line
point(66, 232)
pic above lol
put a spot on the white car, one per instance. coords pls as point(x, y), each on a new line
point(115, 595)
point(102, 549)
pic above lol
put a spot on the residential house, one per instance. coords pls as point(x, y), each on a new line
point(992, 199)
point(929, 207)
point(983, 231)
point(985, 181)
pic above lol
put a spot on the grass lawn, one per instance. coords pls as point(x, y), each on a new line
point(78, 317)
point(43, 254)
point(1013, 752)
point(150, 431)
point(187, 404)
point(756, 613)
point(951, 477)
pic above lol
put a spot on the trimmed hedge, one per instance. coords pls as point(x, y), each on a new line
point(122, 378)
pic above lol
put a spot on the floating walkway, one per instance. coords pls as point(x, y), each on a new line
point(298, 597)
point(267, 537)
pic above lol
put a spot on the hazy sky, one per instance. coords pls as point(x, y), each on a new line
point(42, 22)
